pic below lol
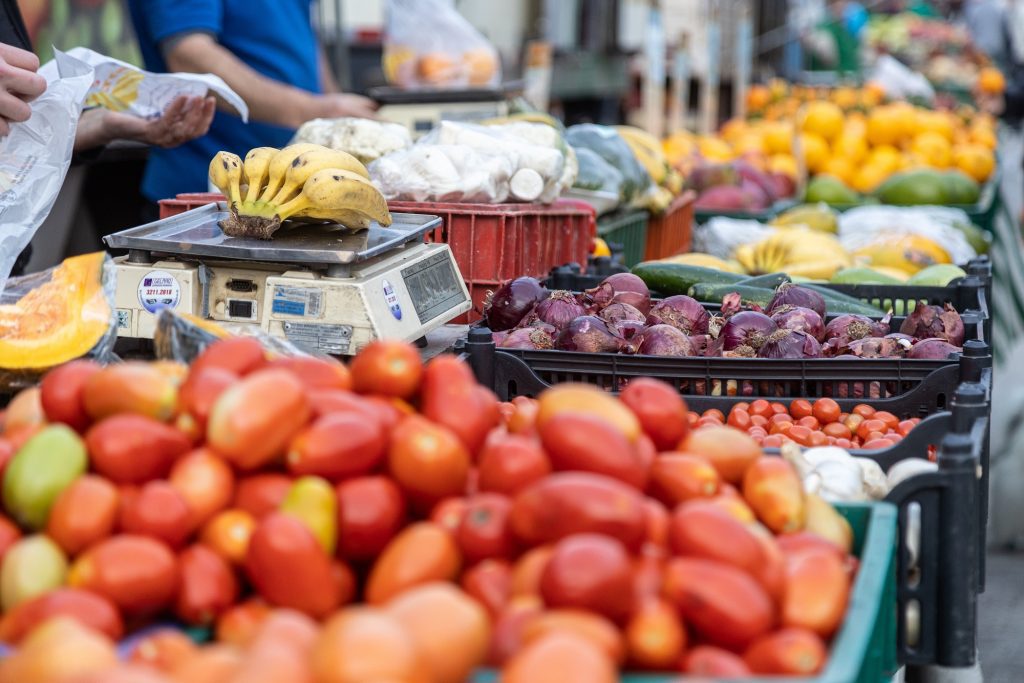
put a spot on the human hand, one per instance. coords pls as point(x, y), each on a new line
point(337, 105)
point(186, 118)
point(19, 85)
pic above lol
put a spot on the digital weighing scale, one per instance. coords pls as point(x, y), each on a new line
point(323, 287)
point(421, 109)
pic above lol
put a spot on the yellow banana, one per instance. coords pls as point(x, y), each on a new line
point(347, 217)
point(648, 151)
point(308, 163)
point(330, 191)
point(226, 174)
point(279, 164)
point(256, 165)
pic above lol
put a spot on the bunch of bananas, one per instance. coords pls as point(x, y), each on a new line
point(301, 181)
point(805, 253)
point(649, 152)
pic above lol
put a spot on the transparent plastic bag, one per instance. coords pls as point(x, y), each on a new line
point(364, 139)
point(181, 337)
point(866, 225)
point(428, 44)
point(55, 316)
point(443, 173)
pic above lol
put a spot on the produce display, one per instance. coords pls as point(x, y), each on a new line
point(320, 518)
point(302, 181)
point(774, 322)
point(738, 186)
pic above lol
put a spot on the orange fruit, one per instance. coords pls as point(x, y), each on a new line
point(758, 97)
point(715, 149)
point(778, 137)
point(932, 149)
point(885, 156)
point(873, 94)
point(481, 65)
point(991, 81)
point(851, 148)
point(436, 68)
point(984, 136)
point(868, 177)
point(841, 168)
point(976, 161)
point(822, 118)
point(845, 97)
point(884, 126)
point(785, 164)
point(815, 151)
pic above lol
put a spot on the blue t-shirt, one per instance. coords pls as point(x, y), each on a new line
point(273, 37)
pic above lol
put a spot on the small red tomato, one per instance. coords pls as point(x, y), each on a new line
point(158, 511)
point(656, 517)
point(136, 573)
point(890, 420)
point(205, 482)
point(238, 355)
point(451, 397)
point(61, 393)
point(428, 461)
point(338, 446)
point(761, 408)
point(208, 586)
point(261, 494)
point(164, 650)
point(449, 512)
point(238, 624)
point(826, 410)
point(133, 449)
point(387, 368)
point(660, 409)
point(740, 419)
point(582, 442)
point(510, 462)
point(196, 397)
point(799, 434)
point(87, 608)
point(490, 584)
point(801, 408)
point(484, 531)
point(714, 414)
point(371, 511)
point(592, 572)
point(864, 410)
point(788, 651)
point(84, 513)
point(316, 373)
point(678, 477)
point(759, 420)
point(708, 660)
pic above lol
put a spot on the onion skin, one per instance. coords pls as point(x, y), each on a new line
point(512, 302)
point(878, 347)
point(588, 333)
point(527, 338)
point(747, 328)
point(851, 326)
point(681, 312)
point(932, 349)
point(623, 288)
point(664, 340)
point(927, 322)
point(801, 319)
point(794, 295)
point(629, 331)
point(559, 309)
point(620, 312)
point(701, 343)
point(785, 343)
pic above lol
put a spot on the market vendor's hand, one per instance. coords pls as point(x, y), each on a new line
point(19, 85)
point(186, 118)
point(338, 105)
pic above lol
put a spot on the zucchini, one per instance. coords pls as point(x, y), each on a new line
point(709, 292)
point(676, 278)
point(837, 302)
point(770, 280)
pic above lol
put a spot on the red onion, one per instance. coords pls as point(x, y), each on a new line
point(513, 300)
point(901, 338)
point(588, 333)
point(850, 326)
point(623, 288)
point(789, 294)
point(701, 343)
point(878, 347)
point(932, 349)
point(665, 340)
point(926, 322)
point(560, 309)
point(629, 330)
point(681, 312)
point(527, 338)
point(800, 319)
point(499, 337)
point(786, 343)
point(620, 312)
point(748, 328)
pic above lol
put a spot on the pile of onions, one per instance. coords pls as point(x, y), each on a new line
point(928, 322)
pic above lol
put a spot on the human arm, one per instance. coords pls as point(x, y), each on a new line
point(186, 118)
point(328, 84)
point(19, 85)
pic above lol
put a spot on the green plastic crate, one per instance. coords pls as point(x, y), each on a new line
point(628, 230)
point(864, 650)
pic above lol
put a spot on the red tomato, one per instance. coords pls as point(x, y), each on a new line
point(655, 636)
point(208, 586)
point(484, 532)
point(135, 387)
point(228, 534)
point(158, 511)
point(527, 570)
point(817, 591)
point(198, 393)
point(867, 427)
point(801, 435)
point(788, 651)
point(761, 408)
point(205, 482)
point(801, 408)
point(817, 439)
point(586, 443)
point(451, 397)
point(597, 629)
point(422, 553)
point(328, 401)
point(387, 368)
point(826, 410)
point(864, 410)
point(261, 494)
point(288, 567)
point(904, 427)
point(316, 373)
point(678, 477)
point(774, 491)
point(723, 604)
point(656, 522)
point(61, 393)
point(136, 573)
point(804, 540)
point(371, 511)
point(660, 409)
point(490, 584)
point(449, 512)
point(740, 419)
point(164, 651)
point(591, 572)
point(729, 450)
point(134, 449)
point(523, 419)
point(9, 533)
point(510, 462)
point(428, 461)
point(890, 420)
point(759, 420)
point(338, 446)
point(238, 355)
point(85, 607)
point(84, 513)
point(707, 660)
point(238, 624)
point(837, 430)
point(772, 441)
point(810, 422)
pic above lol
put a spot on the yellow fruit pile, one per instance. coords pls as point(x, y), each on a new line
point(301, 181)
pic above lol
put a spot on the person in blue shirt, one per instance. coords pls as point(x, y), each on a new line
point(266, 50)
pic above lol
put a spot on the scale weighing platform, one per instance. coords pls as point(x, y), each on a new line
point(420, 110)
point(323, 287)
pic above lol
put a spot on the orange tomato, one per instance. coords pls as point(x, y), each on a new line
point(164, 650)
point(261, 494)
point(740, 419)
point(788, 651)
point(138, 574)
point(228, 534)
point(364, 644)
point(560, 658)
point(211, 664)
point(205, 482)
point(281, 650)
point(527, 571)
point(427, 460)
point(585, 398)
point(61, 393)
point(586, 443)
point(510, 462)
point(421, 553)
point(660, 409)
point(208, 586)
point(729, 450)
point(523, 419)
point(826, 410)
point(655, 636)
point(774, 491)
point(198, 393)
point(707, 660)
point(387, 368)
point(158, 511)
point(761, 408)
point(84, 513)
point(134, 449)
point(88, 608)
point(801, 408)
point(239, 623)
point(817, 591)
point(678, 477)
point(864, 410)
point(133, 387)
point(595, 628)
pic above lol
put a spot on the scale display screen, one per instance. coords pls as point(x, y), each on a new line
point(433, 285)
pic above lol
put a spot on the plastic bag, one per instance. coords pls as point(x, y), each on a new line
point(610, 146)
point(428, 44)
point(721, 236)
point(55, 316)
point(865, 225)
point(443, 173)
point(596, 174)
point(900, 82)
point(364, 139)
point(181, 336)
point(35, 156)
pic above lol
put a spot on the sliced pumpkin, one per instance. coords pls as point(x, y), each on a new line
point(58, 321)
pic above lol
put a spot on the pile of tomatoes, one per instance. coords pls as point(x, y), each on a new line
point(394, 521)
point(811, 423)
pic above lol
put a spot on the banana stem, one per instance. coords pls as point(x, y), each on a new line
point(292, 207)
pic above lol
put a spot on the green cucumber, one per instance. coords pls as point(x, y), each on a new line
point(837, 302)
point(709, 292)
point(676, 278)
point(769, 280)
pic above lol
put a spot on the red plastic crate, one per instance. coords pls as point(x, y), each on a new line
point(493, 243)
point(187, 202)
point(672, 232)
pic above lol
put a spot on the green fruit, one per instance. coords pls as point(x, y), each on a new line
point(831, 190)
point(939, 275)
point(961, 189)
point(34, 565)
point(863, 276)
point(979, 240)
point(40, 471)
point(916, 188)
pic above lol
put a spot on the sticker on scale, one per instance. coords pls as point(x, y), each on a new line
point(306, 302)
point(391, 299)
point(158, 289)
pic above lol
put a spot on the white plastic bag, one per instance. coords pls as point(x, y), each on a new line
point(900, 82)
point(364, 139)
point(443, 173)
point(867, 224)
point(35, 156)
point(428, 44)
point(720, 236)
